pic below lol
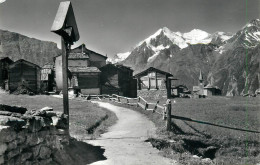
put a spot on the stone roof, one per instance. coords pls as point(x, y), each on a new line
point(78, 56)
point(84, 69)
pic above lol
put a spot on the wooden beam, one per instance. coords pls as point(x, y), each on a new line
point(65, 52)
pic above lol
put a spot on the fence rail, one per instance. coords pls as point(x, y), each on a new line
point(164, 110)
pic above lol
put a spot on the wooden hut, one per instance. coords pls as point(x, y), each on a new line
point(118, 79)
point(4, 65)
point(152, 79)
point(24, 73)
point(47, 77)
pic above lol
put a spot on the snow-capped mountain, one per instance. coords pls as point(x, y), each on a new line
point(163, 38)
point(221, 56)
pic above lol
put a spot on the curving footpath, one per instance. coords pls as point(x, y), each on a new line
point(124, 142)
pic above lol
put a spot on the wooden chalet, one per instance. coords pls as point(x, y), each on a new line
point(153, 79)
point(47, 77)
point(84, 67)
point(4, 65)
point(24, 73)
point(118, 79)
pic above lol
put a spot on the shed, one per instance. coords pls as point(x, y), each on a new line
point(210, 90)
point(85, 79)
point(4, 65)
point(152, 78)
point(118, 79)
point(24, 73)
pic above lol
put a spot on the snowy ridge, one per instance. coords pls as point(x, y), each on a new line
point(182, 40)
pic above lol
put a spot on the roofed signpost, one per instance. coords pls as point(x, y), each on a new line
point(65, 25)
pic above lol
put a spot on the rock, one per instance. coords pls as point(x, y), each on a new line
point(13, 153)
point(15, 109)
point(14, 122)
point(35, 124)
point(59, 122)
point(5, 113)
point(12, 145)
point(7, 134)
point(24, 156)
point(2, 160)
point(46, 109)
point(46, 161)
point(18, 115)
point(41, 151)
point(21, 137)
point(50, 114)
point(3, 148)
point(33, 139)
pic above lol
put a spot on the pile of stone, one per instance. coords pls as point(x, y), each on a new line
point(31, 137)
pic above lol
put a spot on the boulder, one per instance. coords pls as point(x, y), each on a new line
point(3, 148)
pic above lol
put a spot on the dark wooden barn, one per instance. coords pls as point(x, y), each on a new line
point(4, 65)
point(85, 80)
point(24, 73)
point(118, 79)
point(152, 78)
point(47, 78)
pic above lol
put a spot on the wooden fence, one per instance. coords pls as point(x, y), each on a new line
point(145, 105)
point(164, 110)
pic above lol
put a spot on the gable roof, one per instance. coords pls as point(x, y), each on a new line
point(145, 72)
point(7, 59)
point(84, 69)
point(24, 61)
point(83, 50)
point(48, 66)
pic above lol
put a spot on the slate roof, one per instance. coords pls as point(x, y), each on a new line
point(78, 56)
point(84, 69)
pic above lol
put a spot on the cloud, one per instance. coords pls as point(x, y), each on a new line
point(2, 1)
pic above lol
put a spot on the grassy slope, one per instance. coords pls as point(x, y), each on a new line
point(234, 147)
point(83, 114)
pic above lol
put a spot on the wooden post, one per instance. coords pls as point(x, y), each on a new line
point(156, 83)
point(155, 107)
point(118, 99)
point(169, 108)
point(138, 101)
point(168, 85)
point(65, 49)
point(145, 106)
point(164, 112)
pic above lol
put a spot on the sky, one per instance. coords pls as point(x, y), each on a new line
point(116, 26)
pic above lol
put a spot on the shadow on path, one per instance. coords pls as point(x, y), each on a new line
point(79, 153)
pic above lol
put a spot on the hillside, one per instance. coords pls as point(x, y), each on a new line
point(17, 46)
point(226, 60)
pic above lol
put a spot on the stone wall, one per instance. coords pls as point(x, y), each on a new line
point(152, 93)
point(31, 137)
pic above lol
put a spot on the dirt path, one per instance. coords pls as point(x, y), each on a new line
point(124, 142)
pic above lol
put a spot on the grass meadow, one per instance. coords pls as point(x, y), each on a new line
point(87, 120)
point(222, 145)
